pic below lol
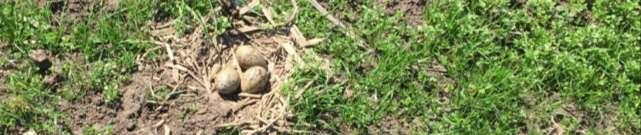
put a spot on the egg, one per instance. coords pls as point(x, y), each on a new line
point(248, 57)
point(227, 82)
point(254, 80)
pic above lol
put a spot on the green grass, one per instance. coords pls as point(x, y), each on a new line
point(102, 42)
point(97, 53)
point(516, 69)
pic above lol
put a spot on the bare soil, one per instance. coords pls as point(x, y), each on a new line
point(396, 126)
point(66, 12)
point(3, 70)
point(412, 10)
point(187, 113)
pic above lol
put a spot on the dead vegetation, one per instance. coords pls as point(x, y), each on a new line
point(186, 75)
point(175, 93)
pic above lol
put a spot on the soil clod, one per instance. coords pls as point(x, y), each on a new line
point(41, 59)
point(53, 81)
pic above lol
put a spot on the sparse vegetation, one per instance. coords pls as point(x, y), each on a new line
point(96, 52)
point(467, 67)
point(539, 67)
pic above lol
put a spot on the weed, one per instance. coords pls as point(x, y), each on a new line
point(101, 48)
point(159, 96)
point(525, 68)
point(506, 62)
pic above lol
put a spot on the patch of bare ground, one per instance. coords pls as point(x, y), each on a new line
point(395, 126)
point(412, 10)
point(69, 11)
point(175, 94)
point(90, 111)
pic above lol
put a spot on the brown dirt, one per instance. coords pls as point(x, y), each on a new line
point(394, 126)
point(186, 71)
point(90, 110)
point(188, 112)
point(69, 11)
point(343, 14)
point(404, 126)
point(412, 9)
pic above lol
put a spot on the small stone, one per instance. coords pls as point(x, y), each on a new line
point(39, 55)
point(54, 80)
point(30, 132)
point(254, 80)
point(41, 58)
point(227, 82)
point(248, 57)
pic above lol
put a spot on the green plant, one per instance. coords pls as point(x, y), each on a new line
point(517, 68)
point(96, 53)
point(27, 102)
point(110, 92)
